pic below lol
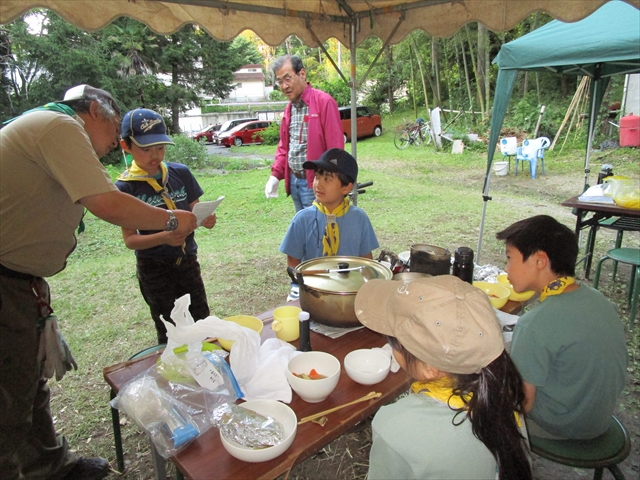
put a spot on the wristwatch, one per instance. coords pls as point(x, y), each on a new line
point(172, 223)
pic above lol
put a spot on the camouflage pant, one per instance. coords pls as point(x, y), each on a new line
point(29, 445)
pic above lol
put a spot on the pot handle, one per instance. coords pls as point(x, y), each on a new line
point(296, 276)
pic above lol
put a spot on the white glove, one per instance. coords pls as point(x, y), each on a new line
point(54, 351)
point(271, 188)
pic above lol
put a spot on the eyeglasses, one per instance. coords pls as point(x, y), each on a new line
point(286, 80)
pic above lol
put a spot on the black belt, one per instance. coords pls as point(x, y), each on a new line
point(300, 174)
point(7, 272)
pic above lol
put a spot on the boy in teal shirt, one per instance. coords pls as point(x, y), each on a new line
point(570, 349)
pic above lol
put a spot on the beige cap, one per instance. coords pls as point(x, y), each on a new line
point(80, 92)
point(443, 321)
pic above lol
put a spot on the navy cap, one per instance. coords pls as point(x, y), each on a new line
point(145, 128)
point(335, 160)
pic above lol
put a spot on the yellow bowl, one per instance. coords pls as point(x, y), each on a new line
point(515, 296)
point(248, 321)
point(498, 294)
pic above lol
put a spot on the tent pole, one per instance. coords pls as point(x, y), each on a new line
point(485, 200)
point(354, 118)
point(592, 122)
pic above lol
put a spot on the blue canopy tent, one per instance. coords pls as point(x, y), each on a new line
point(604, 44)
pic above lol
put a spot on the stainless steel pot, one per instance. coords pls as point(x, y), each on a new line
point(409, 276)
point(330, 297)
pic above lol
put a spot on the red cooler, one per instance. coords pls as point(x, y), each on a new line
point(630, 131)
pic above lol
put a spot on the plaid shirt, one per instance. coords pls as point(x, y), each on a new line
point(298, 129)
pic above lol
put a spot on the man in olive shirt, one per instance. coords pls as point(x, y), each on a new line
point(49, 173)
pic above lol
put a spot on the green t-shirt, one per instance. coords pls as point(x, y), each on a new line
point(572, 348)
point(415, 439)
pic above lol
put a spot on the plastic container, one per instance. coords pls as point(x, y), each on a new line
point(501, 168)
point(630, 131)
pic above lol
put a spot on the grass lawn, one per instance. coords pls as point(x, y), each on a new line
point(418, 196)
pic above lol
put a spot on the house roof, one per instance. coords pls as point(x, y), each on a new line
point(248, 76)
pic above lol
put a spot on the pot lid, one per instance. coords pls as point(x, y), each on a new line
point(342, 282)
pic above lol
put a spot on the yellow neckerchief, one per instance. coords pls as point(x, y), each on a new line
point(442, 391)
point(135, 174)
point(556, 287)
point(331, 239)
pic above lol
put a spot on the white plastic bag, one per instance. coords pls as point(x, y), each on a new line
point(260, 370)
point(173, 413)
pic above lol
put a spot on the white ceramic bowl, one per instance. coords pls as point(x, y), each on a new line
point(367, 367)
point(272, 408)
point(313, 391)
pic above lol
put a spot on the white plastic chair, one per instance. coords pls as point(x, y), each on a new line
point(509, 148)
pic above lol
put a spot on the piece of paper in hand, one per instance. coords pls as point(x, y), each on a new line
point(203, 209)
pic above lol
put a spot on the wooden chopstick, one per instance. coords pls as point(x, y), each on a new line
point(369, 396)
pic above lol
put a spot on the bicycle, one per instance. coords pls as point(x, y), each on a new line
point(413, 134)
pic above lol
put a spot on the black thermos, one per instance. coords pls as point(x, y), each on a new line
point(463, 264)
point(305, 339)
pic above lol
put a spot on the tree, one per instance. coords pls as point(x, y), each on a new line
point(140, 68)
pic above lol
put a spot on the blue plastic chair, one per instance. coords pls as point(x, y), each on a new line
point(532, 151)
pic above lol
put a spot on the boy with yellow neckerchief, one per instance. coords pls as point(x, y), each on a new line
point(167, 265)
point(570, 349)
point(331, 226)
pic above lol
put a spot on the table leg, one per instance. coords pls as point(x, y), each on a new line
point(158, 461)
point(589, 247)
point(117, 435)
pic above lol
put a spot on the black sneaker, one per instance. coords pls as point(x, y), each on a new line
point(93, 468)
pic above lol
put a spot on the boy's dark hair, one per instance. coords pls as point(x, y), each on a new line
point(128, 142)
point(343, 177)
point(543, 233)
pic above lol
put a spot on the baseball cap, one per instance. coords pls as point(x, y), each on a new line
point(443, 321)
point(335, 160)
point(87, 92)
point(145, 128)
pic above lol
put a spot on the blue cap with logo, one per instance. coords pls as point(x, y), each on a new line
point(145, 128)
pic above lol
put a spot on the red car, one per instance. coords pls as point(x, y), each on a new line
point(248, 132)
point(368, 124)
point(207, 133)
